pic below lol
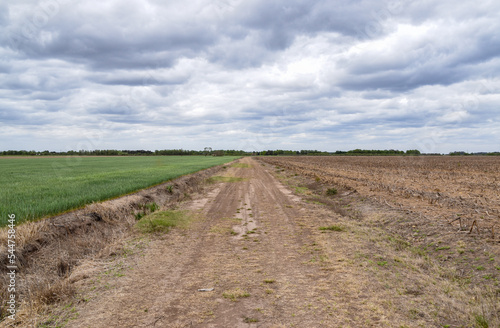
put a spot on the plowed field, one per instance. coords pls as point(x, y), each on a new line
point(441, 188)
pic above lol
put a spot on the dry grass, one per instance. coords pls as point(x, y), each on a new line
point(42, 276)
point(235, 294)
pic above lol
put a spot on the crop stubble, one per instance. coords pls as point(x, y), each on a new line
point(442, 188)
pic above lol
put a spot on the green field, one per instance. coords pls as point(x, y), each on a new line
point(36, 187)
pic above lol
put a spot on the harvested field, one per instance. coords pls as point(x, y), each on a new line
point(446, 207)
point(443, 189)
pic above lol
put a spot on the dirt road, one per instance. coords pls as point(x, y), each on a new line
point(259, 251)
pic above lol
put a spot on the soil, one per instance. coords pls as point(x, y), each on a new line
point(262, 251)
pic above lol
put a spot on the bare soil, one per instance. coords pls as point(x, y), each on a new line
point(268, 248)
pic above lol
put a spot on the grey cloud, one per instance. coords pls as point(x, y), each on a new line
point(145, 78)
point(305, 17)
point(262, 74)
point(82, 35)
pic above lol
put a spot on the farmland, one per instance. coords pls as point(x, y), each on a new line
point(439, 187)
point(294, 241)
point(32, 188)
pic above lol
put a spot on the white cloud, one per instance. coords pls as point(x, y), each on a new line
point(249, 75)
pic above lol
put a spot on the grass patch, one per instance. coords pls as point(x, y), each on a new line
point(332, 228)
point(223, 179)
point(235, 294)
point(241, 165)
point(301, 190)
point(163, 221)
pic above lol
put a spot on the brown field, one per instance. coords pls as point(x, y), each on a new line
point(277, 242)
point(442, 188)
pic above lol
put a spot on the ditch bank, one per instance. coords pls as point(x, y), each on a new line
point(48, 250)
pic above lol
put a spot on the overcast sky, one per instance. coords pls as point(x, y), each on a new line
point(251, 75)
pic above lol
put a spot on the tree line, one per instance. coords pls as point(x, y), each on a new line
point(220, 152)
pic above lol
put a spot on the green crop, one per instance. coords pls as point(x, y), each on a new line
point(33, 188)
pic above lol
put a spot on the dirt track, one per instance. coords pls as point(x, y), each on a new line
point(267, 264)
point(259, 246)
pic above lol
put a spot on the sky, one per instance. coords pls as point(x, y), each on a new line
point(250, 75)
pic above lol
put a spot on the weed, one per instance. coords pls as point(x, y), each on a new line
point(480, 268)
point(139, 215)
point(269, 281)
point(152, 207)
point(443, 248)
point(250, 320)
point(481, 321)
point(170, 189)
point(331, 191)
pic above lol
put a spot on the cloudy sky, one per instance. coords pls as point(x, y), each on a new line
point(250, 74)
